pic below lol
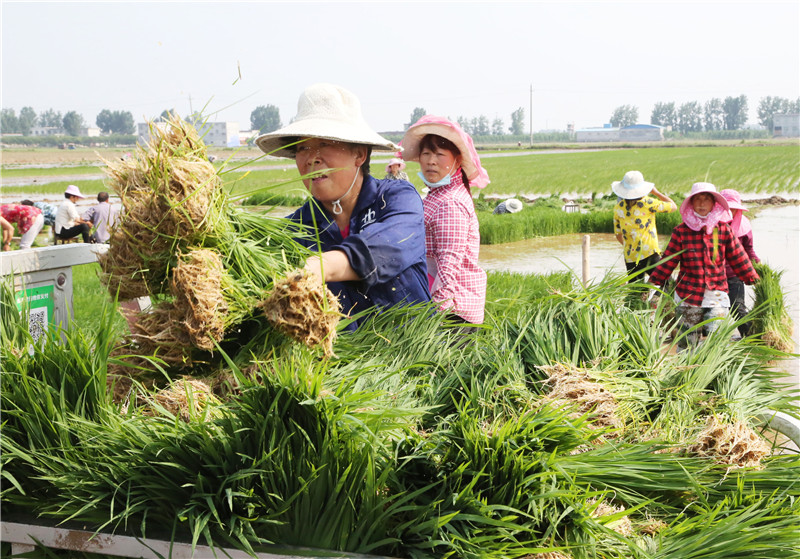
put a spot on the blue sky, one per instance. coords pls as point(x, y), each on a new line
point(583, 59)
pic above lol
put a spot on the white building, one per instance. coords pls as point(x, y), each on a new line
point(604, 134)
point(220, 134)
point(786, 125)
point(90, 131)
point(641, 133)
point(632, 133)
point(48, 131)
point(143, 130)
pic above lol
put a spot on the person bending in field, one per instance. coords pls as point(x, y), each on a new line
point(702, 245)
point(29, 221)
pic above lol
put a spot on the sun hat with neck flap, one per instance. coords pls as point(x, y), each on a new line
point(440, 126)
point(632, 186)
point(703, 188)
point(324, 111)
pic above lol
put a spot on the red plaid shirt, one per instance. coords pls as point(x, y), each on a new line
point(22, 215)
point(452, 242)
point(698, 270)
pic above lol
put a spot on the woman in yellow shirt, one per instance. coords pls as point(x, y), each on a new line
point(635, 221)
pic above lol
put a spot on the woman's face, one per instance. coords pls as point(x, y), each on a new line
point(394, 169)
point(435, 164)
point(703, 203)
point(314, 154)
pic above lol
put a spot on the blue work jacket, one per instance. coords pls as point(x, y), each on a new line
point(385, 246)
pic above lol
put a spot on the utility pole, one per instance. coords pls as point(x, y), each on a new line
point(531, 115)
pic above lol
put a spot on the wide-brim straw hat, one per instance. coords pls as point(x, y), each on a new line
point(734, 199)
point(701, 188)
point(513, 205)
point(632, 186)
point(396, 161)
point(73, 190)
point(324, 111)
point(440, 126)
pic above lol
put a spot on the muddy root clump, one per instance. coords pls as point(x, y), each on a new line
point(734, 444)
point(304, 309)
point(573, 386)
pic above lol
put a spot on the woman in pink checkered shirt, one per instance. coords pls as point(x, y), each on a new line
point(449, 166)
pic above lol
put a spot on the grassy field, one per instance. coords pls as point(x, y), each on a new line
point(762, 169)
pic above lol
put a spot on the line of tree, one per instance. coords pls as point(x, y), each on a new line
point(11, 123)
point(109, 122)
point(713, 115)
point(479, 125)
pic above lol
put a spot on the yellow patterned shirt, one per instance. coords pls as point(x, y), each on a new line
point(637, 224)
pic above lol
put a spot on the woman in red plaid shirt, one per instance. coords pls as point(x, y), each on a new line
point(449, 166)
point(702, 244)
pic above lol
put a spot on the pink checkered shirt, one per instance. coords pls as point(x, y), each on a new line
point(452, 242)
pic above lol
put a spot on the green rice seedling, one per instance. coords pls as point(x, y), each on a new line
point(506, 290)
point(181, 239)
point(741, 526)
point(769, 315)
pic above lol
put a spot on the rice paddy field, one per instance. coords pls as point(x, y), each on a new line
point(772, 169)
point(572, 425)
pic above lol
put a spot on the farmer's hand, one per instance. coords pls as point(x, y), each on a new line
point(331, 266)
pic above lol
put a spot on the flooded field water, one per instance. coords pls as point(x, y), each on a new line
point(776, 235)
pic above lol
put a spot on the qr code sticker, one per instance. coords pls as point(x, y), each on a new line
point(37, 323)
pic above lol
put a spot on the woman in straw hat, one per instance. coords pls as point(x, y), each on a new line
point(703, 244)
point(744, 232)
point(371, 231)
point(635, 221)
point(395, 169)
point(449, 166)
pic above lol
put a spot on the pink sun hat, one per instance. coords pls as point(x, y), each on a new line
point(707, 188)
point(431, 124)
point(734, 199)
point(73, 190)
point(396, 161)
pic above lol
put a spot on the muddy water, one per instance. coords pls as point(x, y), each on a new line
point(776, 234)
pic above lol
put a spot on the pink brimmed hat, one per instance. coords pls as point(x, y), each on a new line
point(396, 161)
point(734, 199)
point(430, 124)
point(700, 188)
point(73, 190)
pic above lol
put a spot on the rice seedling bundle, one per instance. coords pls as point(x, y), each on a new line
point(205, 263)
point(735, 444)
point(770, 317)
point(408, 445)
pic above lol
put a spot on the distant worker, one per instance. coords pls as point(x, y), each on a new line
point(635, 221)
point(69, 223)
point(102, 216)
point(48, 211)
point(29, 222)
point(702, 246)
point(744, 232)
point(508, 206)
point(394, 170)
